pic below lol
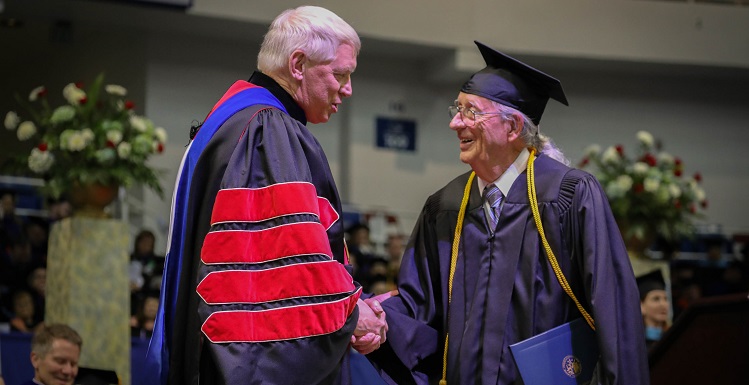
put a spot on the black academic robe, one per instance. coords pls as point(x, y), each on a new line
point(504, 288)
point(255, 288)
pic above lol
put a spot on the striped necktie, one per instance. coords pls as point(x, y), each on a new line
point(493, 196)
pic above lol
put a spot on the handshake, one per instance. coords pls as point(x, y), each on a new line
point(371, 329)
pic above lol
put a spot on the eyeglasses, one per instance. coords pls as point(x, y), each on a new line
point(467, 115)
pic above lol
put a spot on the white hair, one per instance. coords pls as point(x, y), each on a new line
point(316, 31)
point(532, 136)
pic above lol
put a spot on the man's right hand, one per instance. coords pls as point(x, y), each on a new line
point(371, 329)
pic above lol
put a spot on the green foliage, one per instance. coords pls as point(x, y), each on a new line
point(648, 192)
point(95, 138)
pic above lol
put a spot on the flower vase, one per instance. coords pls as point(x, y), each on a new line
point(637, 247)
point(90, 200)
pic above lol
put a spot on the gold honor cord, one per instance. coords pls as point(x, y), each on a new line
point(552, 259)
point(453, 262)
point(537, 218)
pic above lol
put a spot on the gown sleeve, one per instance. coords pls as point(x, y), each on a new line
point(608, 281)
point(276, 305)
point(413, 352)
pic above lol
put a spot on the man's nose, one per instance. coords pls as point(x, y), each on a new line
point(457, 122)
point(347, 89)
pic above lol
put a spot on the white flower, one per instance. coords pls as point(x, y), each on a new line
point(610, 155)
point(646, 138)
point(161, 135)
point(624, 182)
point(592, 150)
point(114, 89)
point(62, 114)
point(619, 186)
point(88, 135)
point(674, 190)
point(105, 155)
point(699, 193)
point(34, 95)
point(655, 173)
point(11, 120)
point(142, 144)
point(665, 158)
point(76, 141)
point(651, 184)
point(73, 94)
point(26, 130)
point(139, 123)
point(640, 168)
point(663, 195)
point(40, 161)
point(124, 149)
point(114, 136)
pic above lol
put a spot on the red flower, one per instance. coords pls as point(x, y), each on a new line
point(79, 85)
point(677, 172)
point(698, 177)
point(584, 162)
point(649, 159)
point(160, 148)
point(620, 149)
point(42, 146)
point(677, 204)
point(704, 204)
point(639, 188)
point(110, 144)
point(129, 105)
point(692, 208)
point(83, 100)
point(677, 161)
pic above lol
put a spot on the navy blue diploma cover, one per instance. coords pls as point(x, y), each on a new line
point(566, 354)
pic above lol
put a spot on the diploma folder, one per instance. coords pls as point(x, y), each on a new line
point(566, 354)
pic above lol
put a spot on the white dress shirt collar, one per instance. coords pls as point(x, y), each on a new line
point(505, 181)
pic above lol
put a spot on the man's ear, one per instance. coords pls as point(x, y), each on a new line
point(297, 60)
point(516, 126)
point(35, 360)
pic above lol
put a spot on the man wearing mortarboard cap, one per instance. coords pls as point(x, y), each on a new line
point(476, 277)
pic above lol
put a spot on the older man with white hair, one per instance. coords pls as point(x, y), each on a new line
point(257, 286)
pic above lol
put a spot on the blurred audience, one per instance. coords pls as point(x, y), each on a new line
point(37, 285)
point(36, 231)
point(146, 269)
point(24, 319)
point(141, 324)
point(11, 225)
point(15, 264)
point(361, 251)
point(59, 209)
point(396, 245)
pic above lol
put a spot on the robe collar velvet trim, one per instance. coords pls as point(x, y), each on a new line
point(505, 181)
point(292, 107)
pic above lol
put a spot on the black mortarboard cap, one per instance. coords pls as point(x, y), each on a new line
point(649, 282)
point(513, 83)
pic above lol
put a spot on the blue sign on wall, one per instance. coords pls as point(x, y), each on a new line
point(396, 134)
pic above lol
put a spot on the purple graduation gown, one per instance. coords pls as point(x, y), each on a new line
point(505, 290)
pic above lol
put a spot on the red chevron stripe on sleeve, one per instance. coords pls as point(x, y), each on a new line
point(292, 281)
point(245, 246)
point(258, 204)
point(279, 324)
